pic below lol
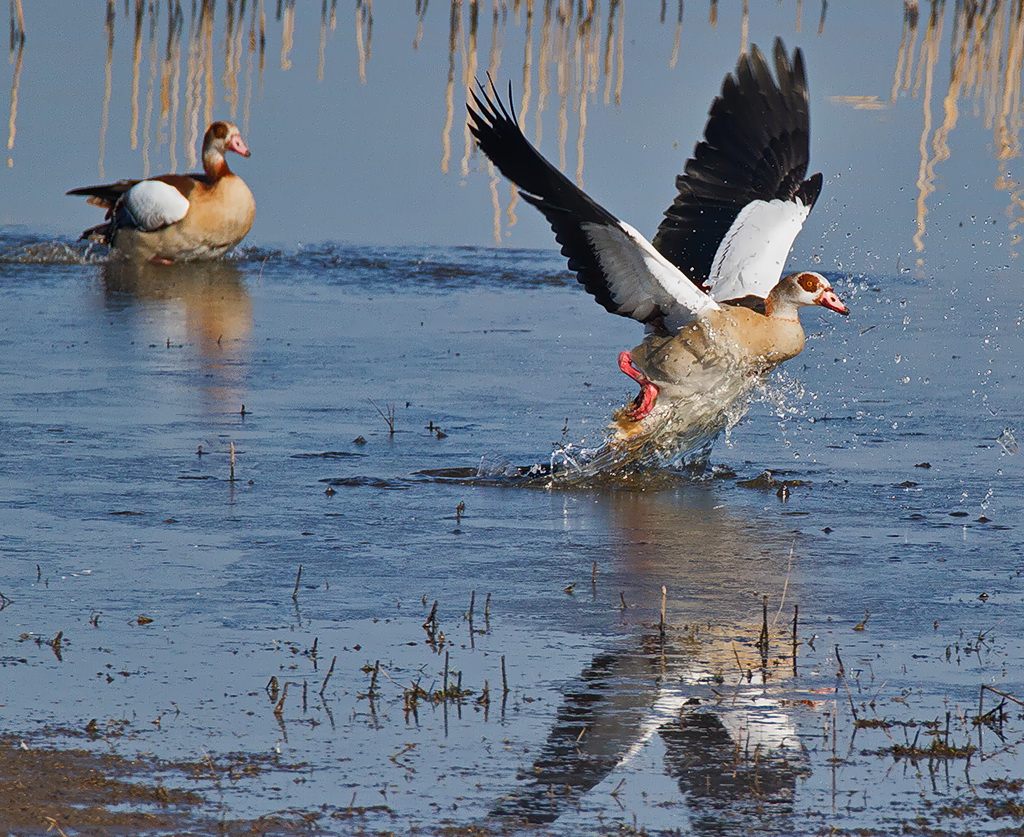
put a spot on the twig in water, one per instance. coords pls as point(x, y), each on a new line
point(330, 671)
point(762, 640)
point(739, 664)
point(504, 679)
point(796, 615)
point(53, 825)
point(231, 475)
point(298, 578)
point(445, 691)
point(849, 695)
point(785, 585)
point(661, 623)
point(389, 416)
point(279, 708)
point(985, 688)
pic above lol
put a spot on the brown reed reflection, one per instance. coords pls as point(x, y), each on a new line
point(578, 46)
point(17, 57)
point(175, 83)
point(572, 50)
point(986, 60)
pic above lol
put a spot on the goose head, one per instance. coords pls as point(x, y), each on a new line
point(221, 137)
point(801, 289)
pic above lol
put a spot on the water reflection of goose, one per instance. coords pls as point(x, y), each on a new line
point(204, 307)
point(742, 200)
point(178, 217)
point(681, 707)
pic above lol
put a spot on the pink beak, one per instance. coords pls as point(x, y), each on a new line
point(828, 299)
point(237, 144)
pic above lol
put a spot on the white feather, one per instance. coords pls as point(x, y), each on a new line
point(754, 250)
point(154, 204)
point(641, 279)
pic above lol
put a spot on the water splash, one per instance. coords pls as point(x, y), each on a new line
point(35, 251)
point(1008, 442)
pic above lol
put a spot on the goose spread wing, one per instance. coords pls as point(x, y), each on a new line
point(743, 197)
point(615, 263)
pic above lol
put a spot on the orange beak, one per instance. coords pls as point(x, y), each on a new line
point(828, 299)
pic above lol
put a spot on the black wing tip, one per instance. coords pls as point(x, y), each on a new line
point(487, 111)
point(755, 146)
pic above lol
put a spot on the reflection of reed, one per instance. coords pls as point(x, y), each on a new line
point(287, 18)
point(575, 46)
point(17, 57)
point(184, 86)
point(364, 34)
point(328, 20)
point(985, 64)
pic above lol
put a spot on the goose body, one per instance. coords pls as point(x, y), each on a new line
point(708, 288)
point(178, 217)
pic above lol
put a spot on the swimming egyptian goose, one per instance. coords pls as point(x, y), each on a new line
point(178, 217)
point(708, 288)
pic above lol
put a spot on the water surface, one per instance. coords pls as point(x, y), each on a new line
point(176, 444)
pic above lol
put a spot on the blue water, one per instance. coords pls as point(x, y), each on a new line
point(883, 498)
point(875, 481)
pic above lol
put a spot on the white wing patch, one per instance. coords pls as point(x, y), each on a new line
point(751, 256)
point(154, 204)
point(641, 279)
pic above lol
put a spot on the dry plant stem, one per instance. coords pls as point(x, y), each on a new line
point(389, 416)
point(661, 623)
point(985, 688)
point(762, 640)
point(504, 679)
point(849, 696)
point(330, 671)
point(54, 826)
point(298, 578)
point(231, 475)
point(785, 585)
point(279, 708)
point(796, 616)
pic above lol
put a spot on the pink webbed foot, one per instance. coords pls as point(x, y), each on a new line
point(644, 402)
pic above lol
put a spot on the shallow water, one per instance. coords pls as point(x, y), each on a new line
point(176, 444)
point(882, 498)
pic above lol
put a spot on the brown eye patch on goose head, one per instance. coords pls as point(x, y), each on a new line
point(219, 129)
point(809, 282)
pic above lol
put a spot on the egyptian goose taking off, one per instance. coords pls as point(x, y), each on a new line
point(708, 288)
point(178, 217)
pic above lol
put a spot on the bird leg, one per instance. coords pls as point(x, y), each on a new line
point(644, 402)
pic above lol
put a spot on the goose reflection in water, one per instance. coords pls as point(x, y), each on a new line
point(204, 307)
point(704, 690)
